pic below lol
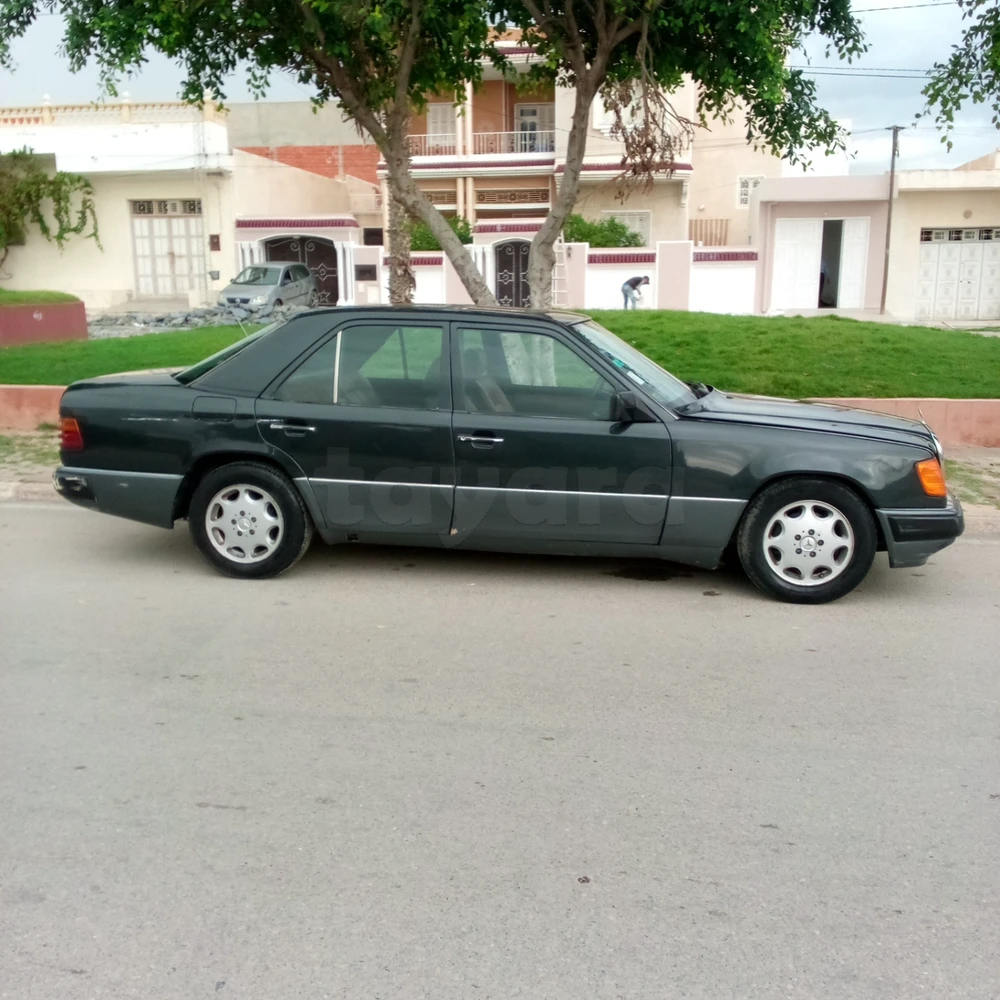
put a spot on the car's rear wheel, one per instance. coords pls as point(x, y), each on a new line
point(807, 540)
point(313, 299)
point(248, 520)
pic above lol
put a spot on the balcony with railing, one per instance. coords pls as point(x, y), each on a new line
point(433, 144)
point(512, 143)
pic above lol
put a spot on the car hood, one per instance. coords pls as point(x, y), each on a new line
point(802, 415)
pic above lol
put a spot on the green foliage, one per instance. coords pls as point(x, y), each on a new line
point(971, 72)
point(60, 204)
point(609, 232)
point(736, 51)
point(378, 57)
point(421, 238)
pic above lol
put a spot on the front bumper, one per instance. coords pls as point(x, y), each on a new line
point(912, 536)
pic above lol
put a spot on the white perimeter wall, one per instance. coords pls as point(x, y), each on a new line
point(604, 285)
point(723, 288)
point(430, 284)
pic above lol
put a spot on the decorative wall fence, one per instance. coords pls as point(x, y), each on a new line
point(680, 277)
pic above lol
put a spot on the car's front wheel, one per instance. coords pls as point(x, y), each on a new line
point(807, 540)
point(248, 520)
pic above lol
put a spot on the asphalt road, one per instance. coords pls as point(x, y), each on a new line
point(394, 774)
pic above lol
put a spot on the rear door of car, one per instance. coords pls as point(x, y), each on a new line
point(538, 458)
point(367, 419)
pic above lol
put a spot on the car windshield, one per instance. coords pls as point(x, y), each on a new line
point(646, 374)
point(258, 276)
point(187, 376)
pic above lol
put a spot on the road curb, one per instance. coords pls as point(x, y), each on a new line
point(27, 491)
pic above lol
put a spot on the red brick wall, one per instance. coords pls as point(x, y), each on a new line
point(359, 161)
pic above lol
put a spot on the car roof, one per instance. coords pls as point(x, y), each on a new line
point(275, 263)
point(559, 315)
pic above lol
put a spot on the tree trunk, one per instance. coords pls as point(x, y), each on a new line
point(405, 188)
point(543, 253)
point(401, 280)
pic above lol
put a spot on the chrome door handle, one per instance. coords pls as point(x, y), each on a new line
point(280, 425)
point(480, 440)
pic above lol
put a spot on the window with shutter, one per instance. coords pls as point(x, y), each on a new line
point(440, 119)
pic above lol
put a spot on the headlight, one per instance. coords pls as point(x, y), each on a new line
point(258, 300)
point(222, 299)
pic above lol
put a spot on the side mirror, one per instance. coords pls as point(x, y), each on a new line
point(625, 409)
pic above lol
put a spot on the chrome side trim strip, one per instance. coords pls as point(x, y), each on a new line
point(73, 471)
point(710, 499)
point(571, 493)
point(506, 489)
point(949, 511)
point(371, 482)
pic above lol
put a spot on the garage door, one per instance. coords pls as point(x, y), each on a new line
point(798, 244)
point(959, 274)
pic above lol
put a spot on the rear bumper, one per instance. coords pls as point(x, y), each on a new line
point(139, 496)
point(912, 536)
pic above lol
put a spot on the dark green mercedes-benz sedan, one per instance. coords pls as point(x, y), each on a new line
point(503, 430)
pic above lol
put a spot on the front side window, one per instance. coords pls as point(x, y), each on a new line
point(646, 374)
point(258, 275)
point(529, 374)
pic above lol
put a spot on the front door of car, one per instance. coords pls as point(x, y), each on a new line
point(367, 419)
point(288, 293)
point(537, 455)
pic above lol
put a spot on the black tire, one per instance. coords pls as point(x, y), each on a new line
point(278, 304)
point(780, 495)
point(297, 527)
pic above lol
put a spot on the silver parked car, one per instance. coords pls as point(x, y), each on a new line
point(276, 283)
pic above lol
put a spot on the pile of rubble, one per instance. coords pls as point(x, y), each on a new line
point(130, 324)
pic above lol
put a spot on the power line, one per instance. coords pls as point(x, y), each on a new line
point(909, 6)
point(867, 76)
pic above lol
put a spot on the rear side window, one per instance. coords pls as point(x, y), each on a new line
point(393, 366)
point(312, 381)
point(374, 366)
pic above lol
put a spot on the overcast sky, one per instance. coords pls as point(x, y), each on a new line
point(911, 34)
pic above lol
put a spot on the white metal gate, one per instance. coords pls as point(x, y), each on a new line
point(853, 264)
point(169, 246)
point(959, 274)
point(798, 246)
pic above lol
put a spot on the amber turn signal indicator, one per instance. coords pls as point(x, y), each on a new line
point(931, 477)
point(70, 438)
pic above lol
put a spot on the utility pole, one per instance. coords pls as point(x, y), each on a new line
point(895, 129)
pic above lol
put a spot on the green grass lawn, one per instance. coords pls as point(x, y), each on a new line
point(41, 298)
point(65, 362)
point(826, 356)
point(794, 357)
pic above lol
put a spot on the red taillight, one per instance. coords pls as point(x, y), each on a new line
point(70, 438)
